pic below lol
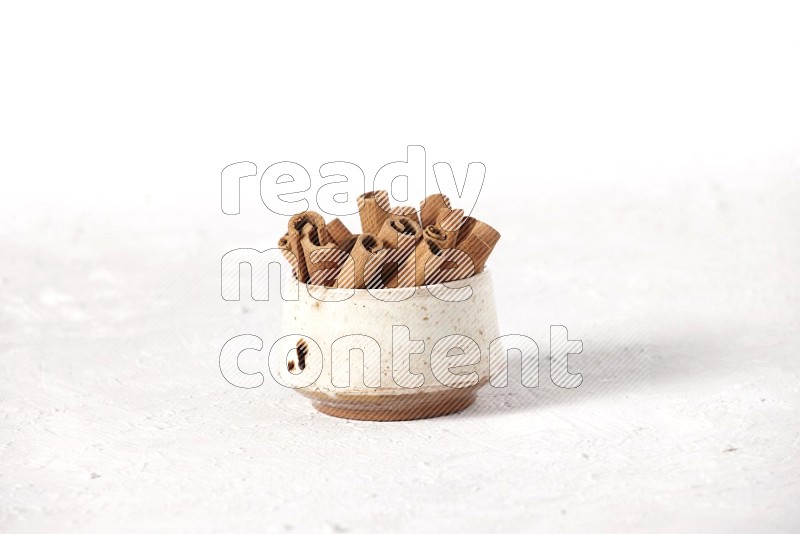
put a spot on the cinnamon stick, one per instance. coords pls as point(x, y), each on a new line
point(429, 208)
point(286, 250)
point(412, 272)
point(296, 225)
point(439, 236)
point(449, 221)
point(405, 211)
point(399, 236)
point(352, 274)
point(373, 208)
point(395, 227)
point(477, 239)
point(338, 231)
point(323, 262)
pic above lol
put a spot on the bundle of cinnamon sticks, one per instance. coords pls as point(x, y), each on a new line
point(397, 247)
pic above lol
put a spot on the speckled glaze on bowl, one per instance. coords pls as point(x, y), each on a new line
point(372, 389)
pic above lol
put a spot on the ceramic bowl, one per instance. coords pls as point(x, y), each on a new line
point(390, 354)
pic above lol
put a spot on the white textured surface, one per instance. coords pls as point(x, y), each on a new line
point(648, 157)
point(115, 415)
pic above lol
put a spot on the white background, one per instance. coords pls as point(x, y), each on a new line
point(643, 166)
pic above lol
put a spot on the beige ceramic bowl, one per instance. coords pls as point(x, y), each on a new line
point(359, 354)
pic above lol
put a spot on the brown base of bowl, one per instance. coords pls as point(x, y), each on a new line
point(421, 405)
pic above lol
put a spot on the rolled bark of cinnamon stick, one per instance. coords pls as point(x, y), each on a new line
point(432, 264)
point(429, 208)
point(439, 236)
point(449, 221)
point(323, 262)
point(286, 250)
point(405, 211)
point(373, 208)
point(399, 236)
point(395, 227)
point(347, 246)
point(338, 231)
point(355, 274)
point(296, 225)
point(435, 265)
point(412, 272)
point(477, 239)
point(466, 227)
